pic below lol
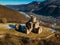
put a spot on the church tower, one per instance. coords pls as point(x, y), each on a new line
point(33, 18)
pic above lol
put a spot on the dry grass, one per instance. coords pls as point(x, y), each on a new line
point(13, 37)
point(45, 33)
point(11, 15)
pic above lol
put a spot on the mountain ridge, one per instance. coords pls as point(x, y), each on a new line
point(36, 8)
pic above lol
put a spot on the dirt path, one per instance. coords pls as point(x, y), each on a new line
point(4, 26)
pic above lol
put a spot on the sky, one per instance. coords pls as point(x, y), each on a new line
point(16, 2)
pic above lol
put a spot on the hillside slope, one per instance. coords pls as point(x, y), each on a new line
point(11, 15)
point(50, 8)
point(8, 39)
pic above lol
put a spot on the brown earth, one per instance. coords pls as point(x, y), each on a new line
point(11, 15)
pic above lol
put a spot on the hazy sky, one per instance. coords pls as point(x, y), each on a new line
point(15, 2)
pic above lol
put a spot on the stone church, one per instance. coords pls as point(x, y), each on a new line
point(33, 25)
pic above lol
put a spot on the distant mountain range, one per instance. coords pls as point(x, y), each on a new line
point(25, 7)
point(51, 8)
point(46, 8)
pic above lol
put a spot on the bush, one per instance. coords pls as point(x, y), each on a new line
point(4, 20)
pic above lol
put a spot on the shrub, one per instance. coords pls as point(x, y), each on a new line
point(4, 20)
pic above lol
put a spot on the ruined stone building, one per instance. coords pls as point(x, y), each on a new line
point(33, 25)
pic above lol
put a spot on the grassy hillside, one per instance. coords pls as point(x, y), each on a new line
point(13, 37)
point(8, 39)
point(11, 15)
